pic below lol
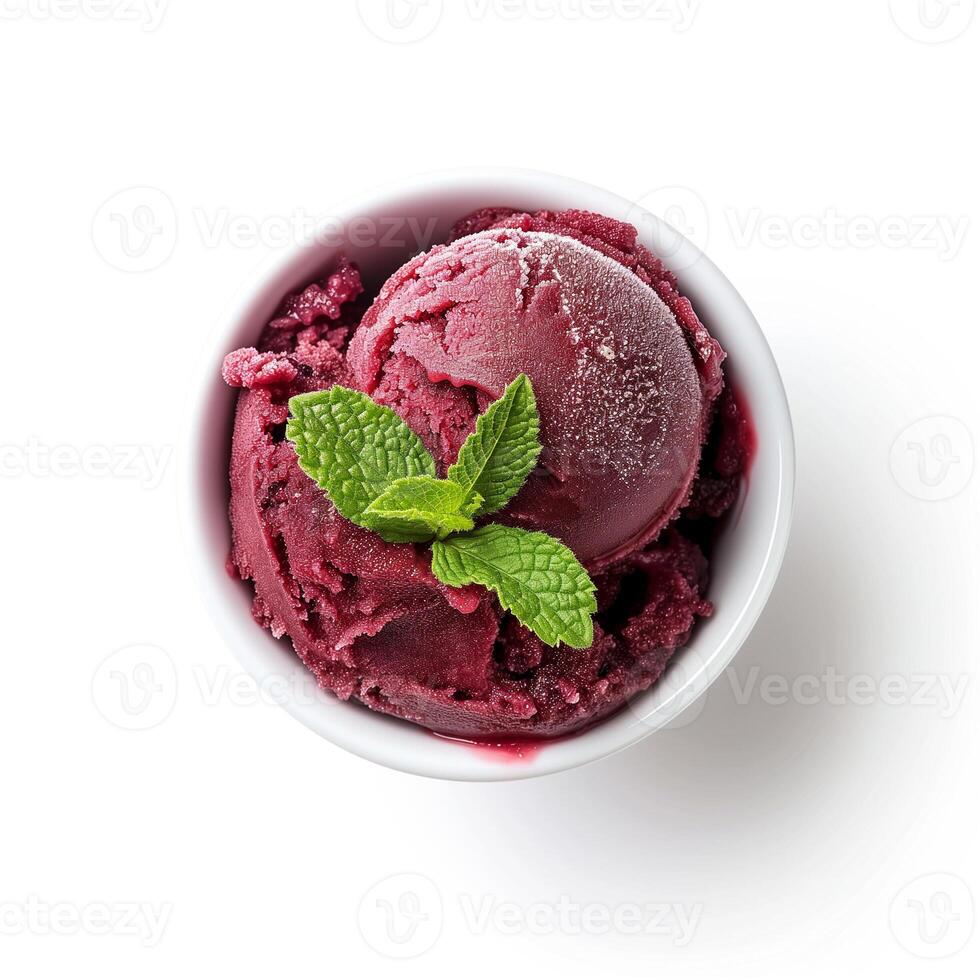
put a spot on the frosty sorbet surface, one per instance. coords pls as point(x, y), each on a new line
point(644, 449)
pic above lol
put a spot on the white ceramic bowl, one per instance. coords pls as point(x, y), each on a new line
point(744, 567)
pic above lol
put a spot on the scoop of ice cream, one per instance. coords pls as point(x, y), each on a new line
point(623, 410)
point(622, 432)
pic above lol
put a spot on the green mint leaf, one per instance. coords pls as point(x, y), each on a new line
point(496, 459)
point(419, 508)
point(352, 447)
point(536, 577)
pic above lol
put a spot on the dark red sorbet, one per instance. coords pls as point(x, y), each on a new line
point(645, 452)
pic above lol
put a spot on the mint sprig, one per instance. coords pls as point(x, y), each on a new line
point(380, 476)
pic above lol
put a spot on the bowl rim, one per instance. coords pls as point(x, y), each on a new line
point(392, 742)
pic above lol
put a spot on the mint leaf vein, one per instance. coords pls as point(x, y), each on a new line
point(535, 576)
point(353, 448)
point(497, 457)
point(418, 508)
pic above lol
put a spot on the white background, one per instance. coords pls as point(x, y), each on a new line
point(826, 156)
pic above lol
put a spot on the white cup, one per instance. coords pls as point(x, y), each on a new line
point(374, 231)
